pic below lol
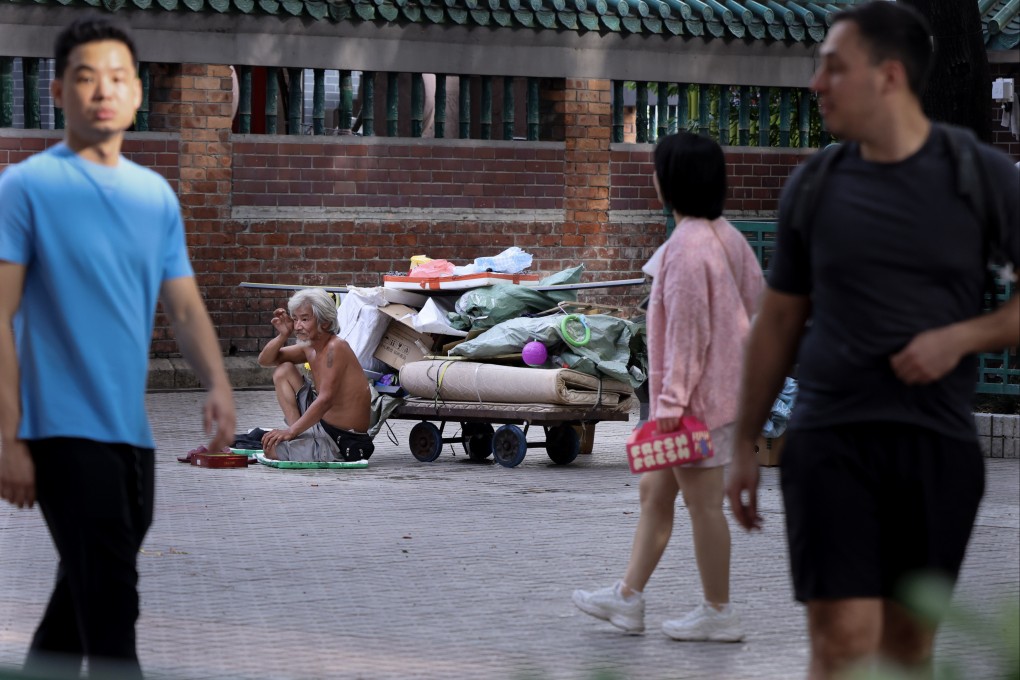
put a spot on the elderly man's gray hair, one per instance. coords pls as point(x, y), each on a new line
point(322, 306)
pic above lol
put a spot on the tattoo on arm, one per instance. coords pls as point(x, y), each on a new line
point(329, 359)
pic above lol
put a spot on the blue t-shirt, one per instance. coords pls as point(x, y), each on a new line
point(97, 243)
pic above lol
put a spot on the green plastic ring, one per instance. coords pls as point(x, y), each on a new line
point(570, 340)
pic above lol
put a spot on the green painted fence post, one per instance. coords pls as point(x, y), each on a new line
point(744, 117)
point(682, 107)
point(464, 107)
point(784, 117)
point(294, 97)
point(319, 101)
point(642, 112)
point(485, 115)
point(392, 104)
point(367, 104)
point(704, 110)
point(272, 99)
point(142, 115)
point(30, 71)
point(439, 126)
point(764, 116)
point(663, 110)
point(346, 108)
point(617, 111)
point(804, 111)
point(244, 103)
point(533, 110)
point(508, 107)
point(6, 91)
point(724, 115)
point(417, 104)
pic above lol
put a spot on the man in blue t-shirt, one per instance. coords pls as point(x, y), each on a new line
point(88, 242)
point(881, 473)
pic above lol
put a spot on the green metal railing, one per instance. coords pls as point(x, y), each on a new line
point(737, 115)
point(998, 372)
point(31, 104)
point(398, 106)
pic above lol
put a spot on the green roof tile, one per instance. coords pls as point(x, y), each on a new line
point(1001, 23)
point(769, 20)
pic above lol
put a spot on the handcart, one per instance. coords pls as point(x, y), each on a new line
point(508, 444)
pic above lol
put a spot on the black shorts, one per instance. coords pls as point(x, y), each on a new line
point(870, 504)
point(354, 446)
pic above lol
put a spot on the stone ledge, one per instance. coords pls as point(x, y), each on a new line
point(175, 374)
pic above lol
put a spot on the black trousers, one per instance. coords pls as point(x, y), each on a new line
point(97, 501)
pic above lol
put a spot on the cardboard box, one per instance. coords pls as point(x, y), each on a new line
point(400, 313)
point(769, 450)
point(401, 344)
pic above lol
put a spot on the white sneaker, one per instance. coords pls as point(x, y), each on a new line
point(706, 623)
point(608, 604)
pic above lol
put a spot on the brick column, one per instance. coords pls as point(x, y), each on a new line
point(586, 107)
point(194, 100)
point(206, 149)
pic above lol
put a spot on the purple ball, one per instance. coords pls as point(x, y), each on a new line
point(534, 353)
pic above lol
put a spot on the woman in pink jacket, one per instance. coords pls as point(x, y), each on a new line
point(706, 284)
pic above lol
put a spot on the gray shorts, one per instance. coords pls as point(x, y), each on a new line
point(323, 442)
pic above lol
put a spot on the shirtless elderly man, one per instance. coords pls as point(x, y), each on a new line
point(331, 424)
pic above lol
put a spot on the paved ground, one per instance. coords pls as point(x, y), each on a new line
point(445, 570)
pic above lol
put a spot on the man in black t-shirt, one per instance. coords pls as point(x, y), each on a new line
point(881, 472)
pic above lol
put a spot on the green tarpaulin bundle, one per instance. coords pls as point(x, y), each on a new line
point(486, 307)
point(606, 353)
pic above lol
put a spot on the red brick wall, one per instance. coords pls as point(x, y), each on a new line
point(227, 250)
point(337, 253)
point(158, 152)
point(755, 178)
point(234, 188)
point(350, 172)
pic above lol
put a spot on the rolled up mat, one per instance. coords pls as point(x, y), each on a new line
point(471, 381)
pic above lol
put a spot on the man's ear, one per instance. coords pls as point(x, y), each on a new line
point(57, 91)
point(894, 75)
point(138, 93)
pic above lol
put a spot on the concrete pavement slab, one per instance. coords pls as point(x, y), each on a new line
point(451, 569)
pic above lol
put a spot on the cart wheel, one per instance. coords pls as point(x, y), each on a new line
point(562, 444)
point(425, 441)
point(509, 446)
point(479, 446)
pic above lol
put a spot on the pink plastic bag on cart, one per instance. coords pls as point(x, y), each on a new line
point(433, 269)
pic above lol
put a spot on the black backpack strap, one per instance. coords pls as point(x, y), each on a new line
point(974, 184)
point(809, 190)
point(969, 178)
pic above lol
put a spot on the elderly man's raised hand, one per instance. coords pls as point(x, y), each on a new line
point(282, 322)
